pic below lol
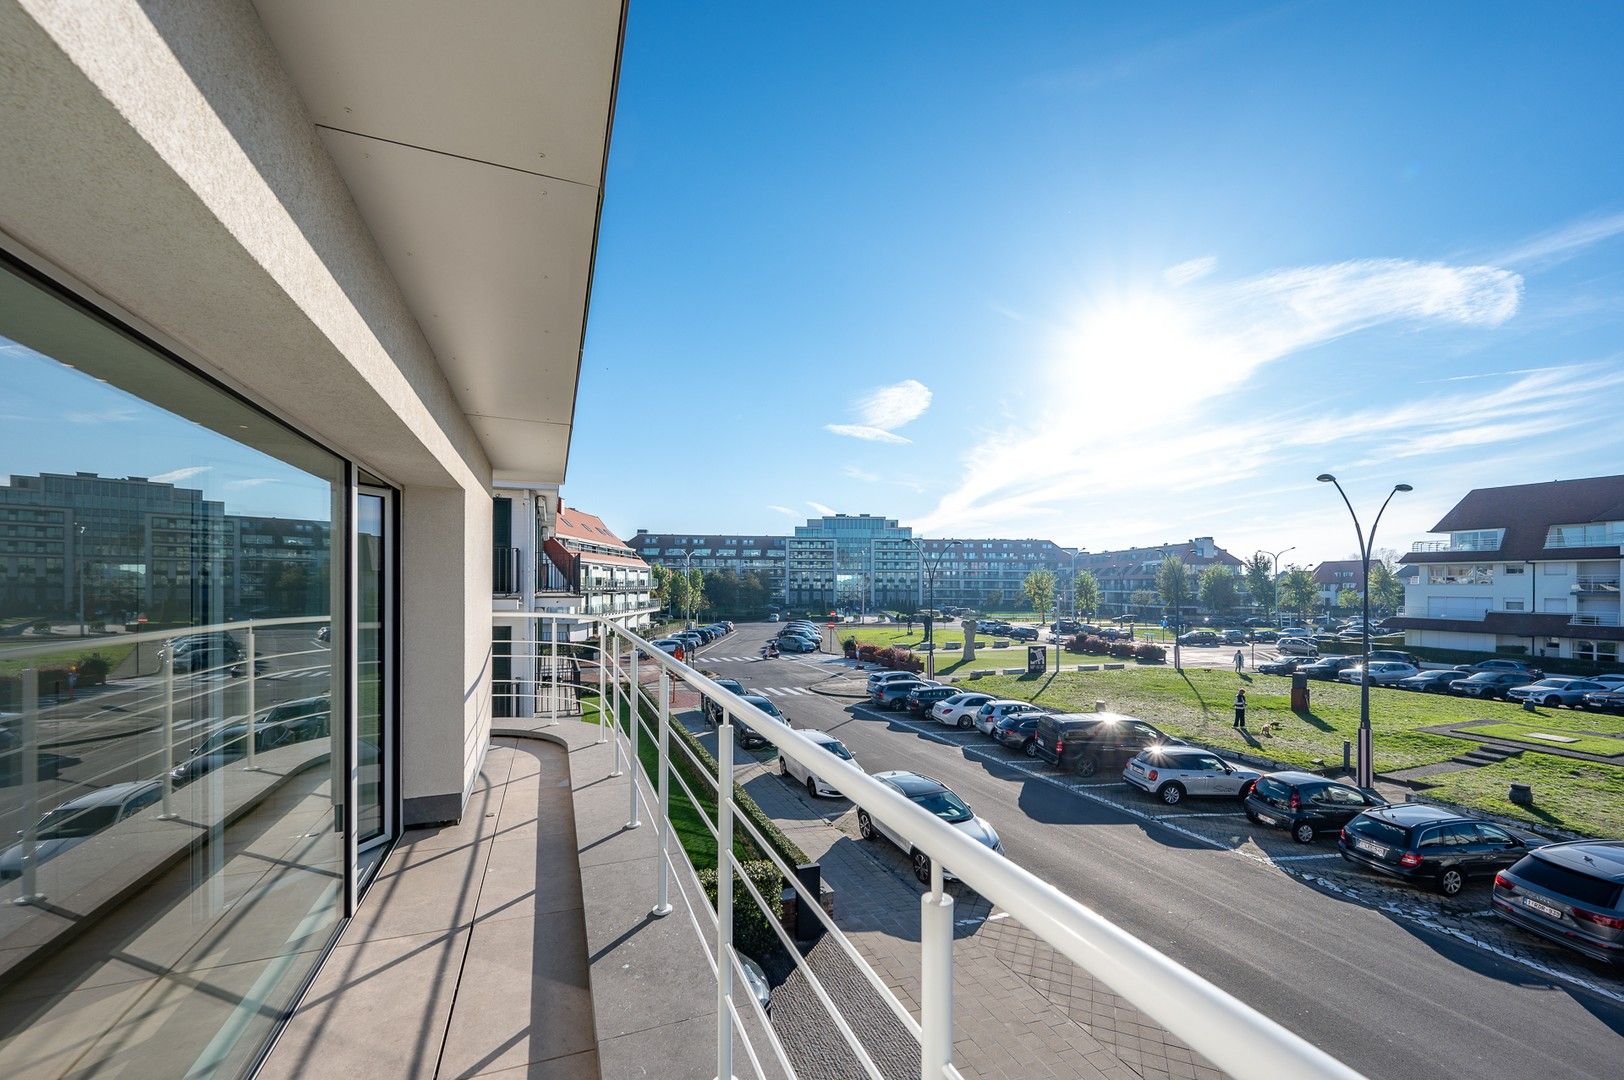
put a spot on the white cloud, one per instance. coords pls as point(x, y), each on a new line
point(1190, 270)
point(256, 481)
point(855, 473)
point(116, 415)
point(827, 511)
point(786, 511)
point(1138, 377)
point(175, 476)
point(1562, 243)
point(883, 410)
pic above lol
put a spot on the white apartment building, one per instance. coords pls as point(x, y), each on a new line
point(1531, 569)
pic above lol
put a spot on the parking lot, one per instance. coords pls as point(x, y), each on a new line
point(1244, 906)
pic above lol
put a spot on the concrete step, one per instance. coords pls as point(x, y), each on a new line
point(1486, 755)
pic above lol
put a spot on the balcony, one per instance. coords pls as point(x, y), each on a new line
point(1603, 586)
point(1595, 618)
point(504, 570)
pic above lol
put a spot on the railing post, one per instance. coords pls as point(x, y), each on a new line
point(635, 718)
point(558, 689)
point(614, 692)
point(935, 978)
point(724, 896)
point(662, 903)
point(603, 666)
point(168, 813)
point(30, 783)
point(248, 636)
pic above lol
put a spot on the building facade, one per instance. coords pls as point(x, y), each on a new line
point(1334, 575)
point(1128, 571)
point(1531, 569)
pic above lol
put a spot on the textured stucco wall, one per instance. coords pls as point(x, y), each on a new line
point(157, 153)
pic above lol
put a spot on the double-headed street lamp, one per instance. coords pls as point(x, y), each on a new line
point(1275, 555)
point(930, 567)
point(1367, 771)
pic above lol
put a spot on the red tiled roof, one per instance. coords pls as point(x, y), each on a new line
point(574, 524)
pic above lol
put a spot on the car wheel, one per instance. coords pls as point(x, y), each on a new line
point(865, 825)
point(921, 867)
point(1552, 702)
point(965, 722)
point(1451, 881)
point(811, 786)
point(1171, 793)
point(1088, 766)
point(1303, 833)
point(1031, 748)
point(1246, 789)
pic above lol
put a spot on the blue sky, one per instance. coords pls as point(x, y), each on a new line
point(1104, 276)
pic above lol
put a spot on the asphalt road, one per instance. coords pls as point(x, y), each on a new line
point(1389, 994)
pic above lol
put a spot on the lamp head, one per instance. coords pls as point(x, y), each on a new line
point(1402, 487)
point(1325, 478)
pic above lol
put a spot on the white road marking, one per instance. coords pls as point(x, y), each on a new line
point(1215, 813)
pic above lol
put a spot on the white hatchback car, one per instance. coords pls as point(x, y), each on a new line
point(959, 710)
point(1172, 772)
point(816, 785)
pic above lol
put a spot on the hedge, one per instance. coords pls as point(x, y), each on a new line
point(752, 934)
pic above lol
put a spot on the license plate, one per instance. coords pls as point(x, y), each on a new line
point(1544, 909)
point(1373, 849)
point(1268, 819)
point(1136, 767)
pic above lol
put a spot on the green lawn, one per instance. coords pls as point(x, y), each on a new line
point(70, 653)
point(1576, 795)
point(951, 661)
point(1524, 733)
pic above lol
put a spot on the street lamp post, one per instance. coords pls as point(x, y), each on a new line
point(688, 588)
point(1275, 555)
point(1367, 771)
point(79, 570)
point(930, 567)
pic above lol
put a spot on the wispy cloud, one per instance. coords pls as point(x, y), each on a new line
point(252, 482)
point(786, 511)
point(117, 415)
point(885, 409)
point(1190, 270)
point(854, 473)
point(1179, 353)
point(1552, 247)
point(175, 476)
point(827, 511)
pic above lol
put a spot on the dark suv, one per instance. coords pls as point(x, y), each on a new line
point(1424, 843)
point(1088, 743)
point(1488, 684)
point(1199, 637)
point(1572, 893)
point(1305, 805)
point(1330, 668)
point(921, 698)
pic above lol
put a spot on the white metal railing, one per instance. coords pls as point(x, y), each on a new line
point(1598, 618)
point(1227, 1032)
point(1607, 538)
point(1596, 584)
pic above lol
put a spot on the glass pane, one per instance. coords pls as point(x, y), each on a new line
point(369, 656)
point(166, 594)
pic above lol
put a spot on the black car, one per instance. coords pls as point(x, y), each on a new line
point(1571, 893)
point(1199, 637)
point(1524, 670)
point(713, 709)
point(1285, 665)
point(1265, 636)
point(1024, 633)
point(894, 694)
point(1330, 668)
point(1088, 743)
point(1488, 684)
point(1429, 844)
point(1432, 682)
point(1234, 637)
point(747, 736)
point(1306, 805)
point(1016, 731)
point(921, 698)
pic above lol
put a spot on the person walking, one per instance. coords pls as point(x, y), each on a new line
point(1240, 710)
point(1240, 661)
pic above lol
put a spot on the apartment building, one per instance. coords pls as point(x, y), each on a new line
point(1531, 569)
point(1127, 571)
point(714, 552)
point(1334, 575)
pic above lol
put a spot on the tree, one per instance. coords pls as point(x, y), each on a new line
point(695, 593)
point(995, 600)
point(1386, 590)
point(1039, 589)
point(1141, 600)
point(1173, 586)
point(661, 590)
point(1299, 592)
point(676, 592)
point(1218, 589)
point(1260, 583)
point(1347, 598)
point(1085, 592)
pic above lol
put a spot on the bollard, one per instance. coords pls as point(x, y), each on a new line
point(1099, 706)
point(808, 927)
point(1528, 705)
point(1521, 795)
point(1347, 756)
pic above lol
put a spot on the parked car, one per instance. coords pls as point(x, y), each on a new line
point(1606, 700)
point(301, 719)
point(876, 678)
point(1487, 684)
point(713, 708)
point(1024, 633)
point(1612, 682)
point(991, 712)
point(1199, 637)
point(1016, 730)
point(218, 652)
point(1172, 772)
point(673, 648)
point(229, 744)
point(773, 617)
point(1556, 690)
point(1305, 805)
point(959, 710)
point(1431, 682)
point(795, 644)
point(938, 799)
point(1296, 646)
point(1088, 743)
point(1571, 893)
point(77, 820)
point(1234, 637)
point(747, 736)
point(1420, 843)
point(1518, 667)
point(1264, 636)
point(1382, 672)
point(894, 695)
point(921, 698)
point(1066, 626)
point(1285, 665)
point(1295, 631)
point(816, 785)
point(1329, 668)
point(1397, 656)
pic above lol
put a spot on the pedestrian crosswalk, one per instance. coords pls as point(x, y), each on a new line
point(707, 658)
point(783, 691)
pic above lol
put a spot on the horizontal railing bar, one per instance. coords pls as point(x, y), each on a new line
point(10, 652)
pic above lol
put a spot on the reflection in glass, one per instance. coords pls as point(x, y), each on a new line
point(369, 653)
point(166, 597)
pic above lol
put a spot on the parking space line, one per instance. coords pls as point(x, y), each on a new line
point(1214, 813)
point(1302, 858)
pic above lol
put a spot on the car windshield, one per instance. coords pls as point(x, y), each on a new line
point(838, 749)
point(767, 707)
point(68, 823)
point(945, 805)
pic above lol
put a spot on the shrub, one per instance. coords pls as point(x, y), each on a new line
point(867, 653)
point(751, 933)
point(849, 647)
point(1122, 650)
point(93, 669)
point(1149, 652)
